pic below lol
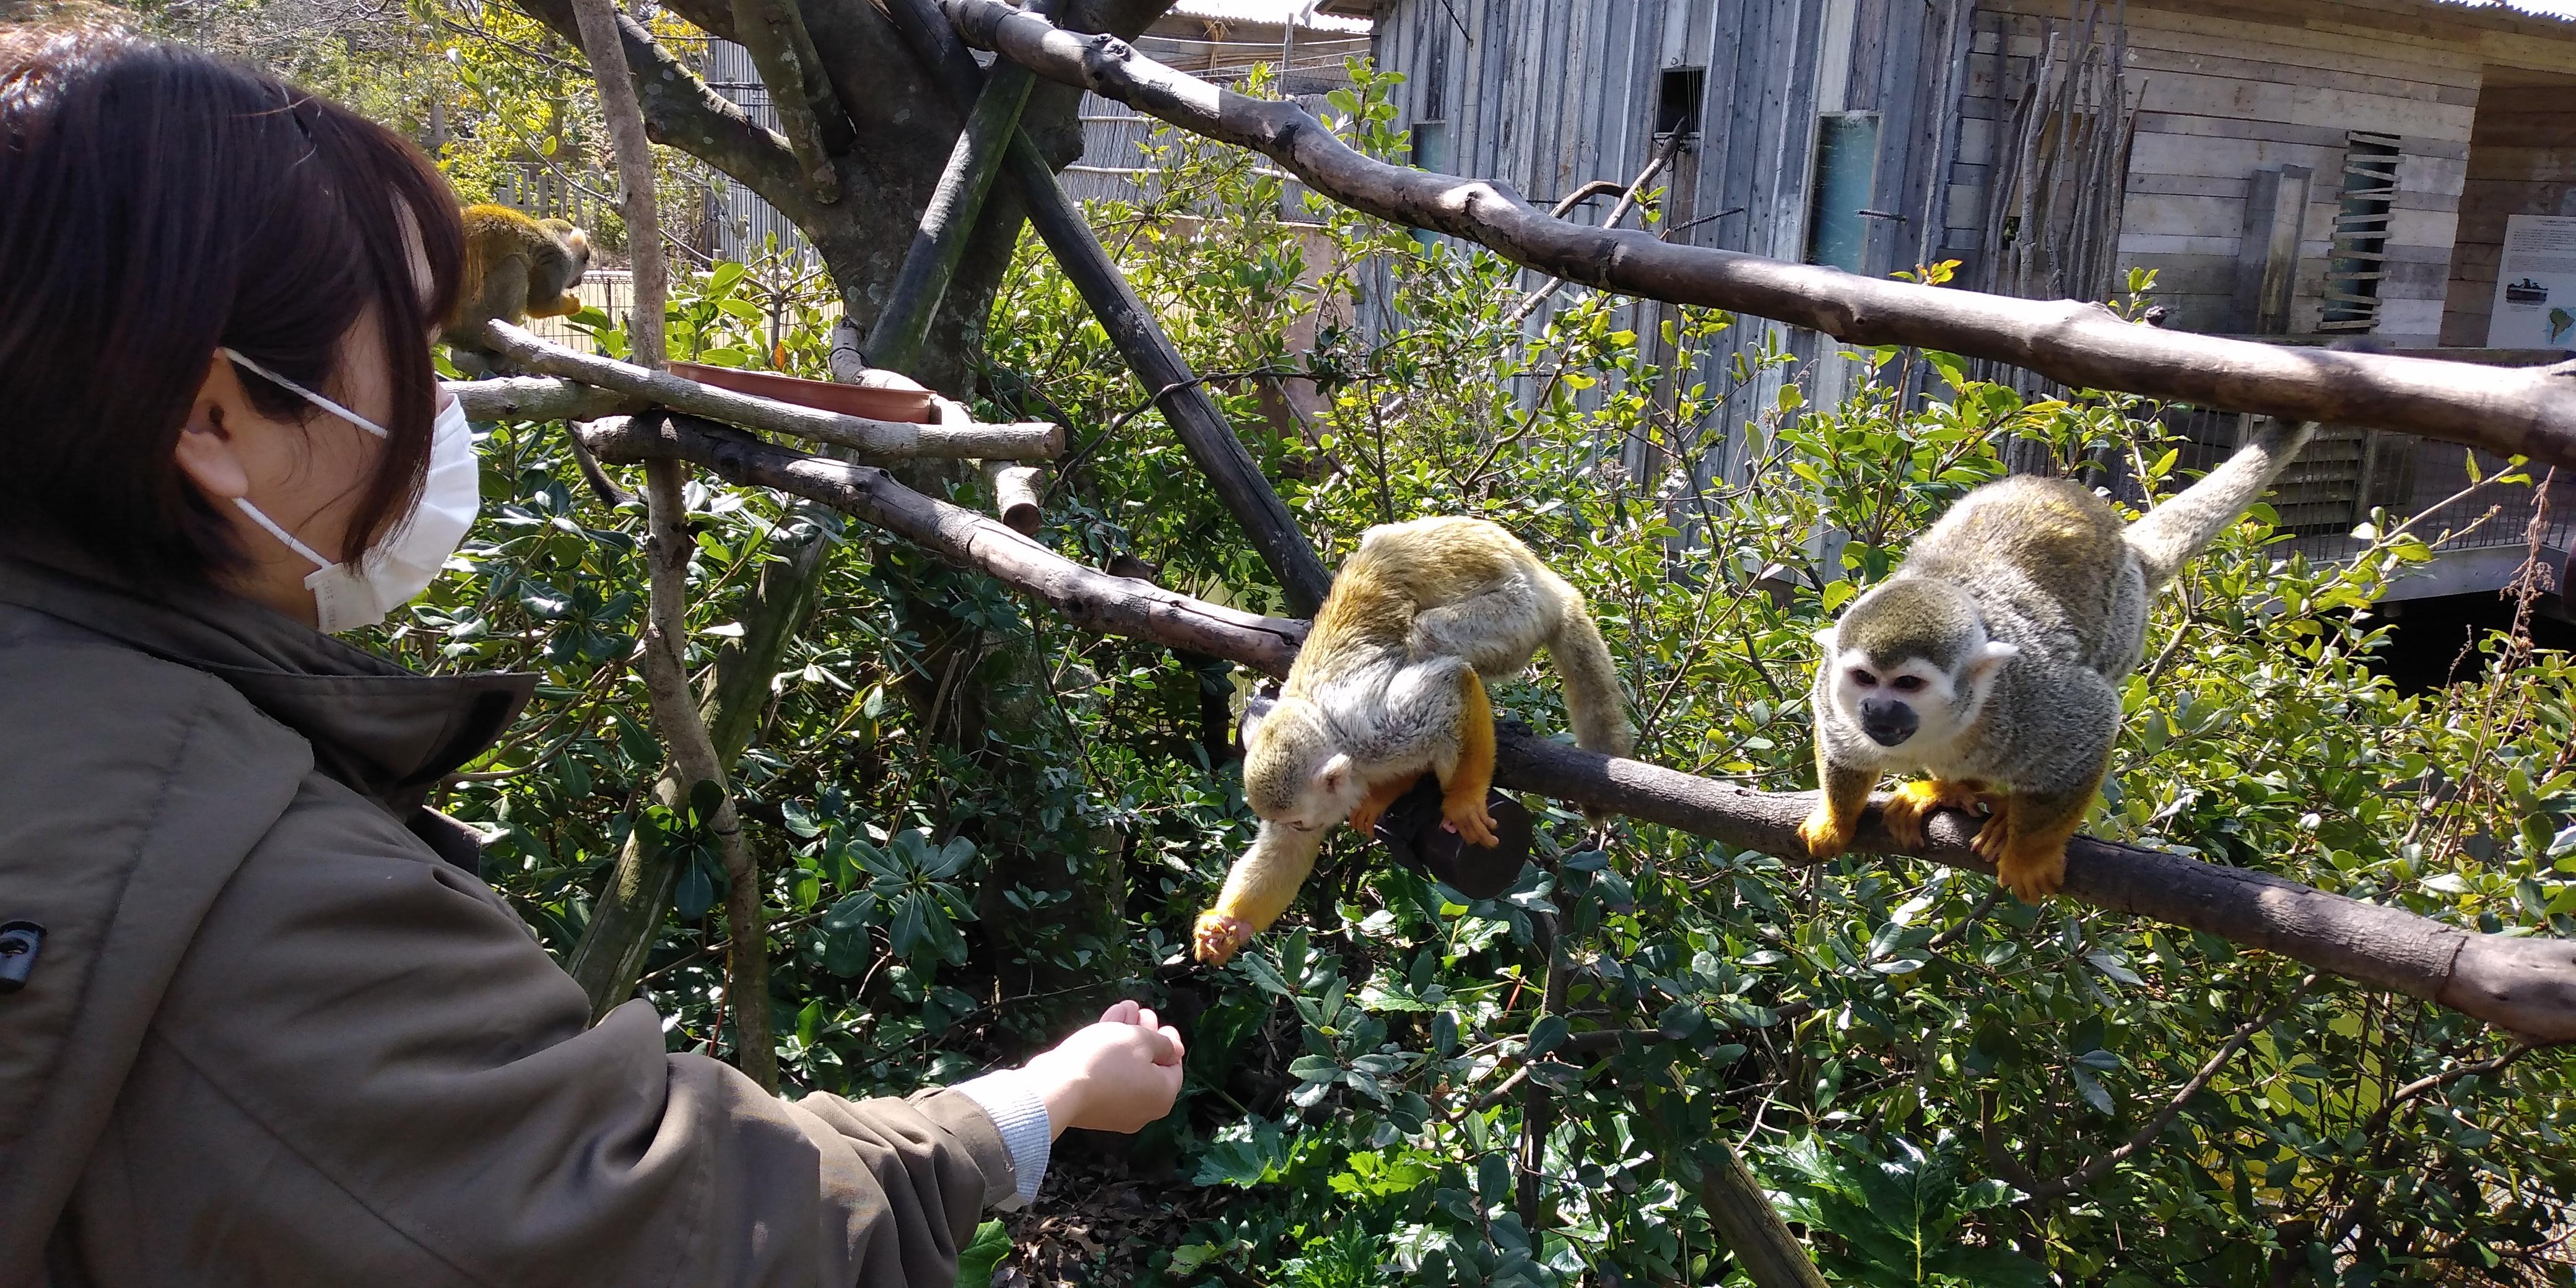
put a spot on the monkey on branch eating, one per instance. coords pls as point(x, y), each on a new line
point(1991, 660)
point(1390, 683)
point(516, 268)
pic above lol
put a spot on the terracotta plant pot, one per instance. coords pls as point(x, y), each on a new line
point(910, 406)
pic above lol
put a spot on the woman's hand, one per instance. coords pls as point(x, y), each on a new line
point(1117, 1075)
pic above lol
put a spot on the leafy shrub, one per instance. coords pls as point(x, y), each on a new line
point(977, 822)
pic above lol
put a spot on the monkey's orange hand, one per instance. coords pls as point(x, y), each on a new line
point(1372, 807)
point(1217, 937)
point(1989, 842)
point(1470, 821)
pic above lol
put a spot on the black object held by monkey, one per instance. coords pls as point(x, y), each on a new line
point(1413, 831)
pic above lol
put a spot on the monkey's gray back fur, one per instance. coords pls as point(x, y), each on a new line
point(2053, 568)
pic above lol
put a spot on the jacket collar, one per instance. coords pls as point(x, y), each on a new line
point(386, 732)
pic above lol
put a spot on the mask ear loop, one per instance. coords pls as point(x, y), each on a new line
point(280, 533)
point(309, 396)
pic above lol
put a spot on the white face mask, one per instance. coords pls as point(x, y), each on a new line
point(349, 596)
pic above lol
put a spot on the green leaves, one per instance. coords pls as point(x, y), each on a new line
point(1245, 1155)
point(1897, 1215)
point(978, 1260)
point(917, 891)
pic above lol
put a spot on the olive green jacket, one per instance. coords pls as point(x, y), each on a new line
point(279, 1033)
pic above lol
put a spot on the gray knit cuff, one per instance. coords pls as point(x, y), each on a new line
point(1021, 1117)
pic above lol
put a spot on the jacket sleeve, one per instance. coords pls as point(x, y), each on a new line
point(367, 1070)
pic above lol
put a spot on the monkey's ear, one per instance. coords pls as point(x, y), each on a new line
point(1334, 775)
point(1990, 657)
point(1825, 641)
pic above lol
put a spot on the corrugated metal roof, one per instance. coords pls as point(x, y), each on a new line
point(2563, 10)
point(1270, 11)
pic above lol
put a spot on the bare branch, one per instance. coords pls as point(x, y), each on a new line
point(1088, 598)
point(1627, 197)
point(538, 398)
point(2430, 1082)
point(1015, 496)
point(1194, 417)
point(2101, 1166)
point(2528, 411)
point(880, 439)
point(2527, 985)
point(662, 653)
point(680, 110)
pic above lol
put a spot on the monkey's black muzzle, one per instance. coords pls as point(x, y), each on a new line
point(1887, 721)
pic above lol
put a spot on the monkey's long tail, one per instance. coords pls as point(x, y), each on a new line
point(1593, 702)
point(2180, 528)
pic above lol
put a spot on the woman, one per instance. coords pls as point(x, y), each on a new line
point(273, 1029)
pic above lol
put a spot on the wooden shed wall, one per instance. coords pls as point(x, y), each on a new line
point(2522, 161)
point(1545, 97)
point(2225, 91)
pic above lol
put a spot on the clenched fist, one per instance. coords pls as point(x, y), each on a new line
point(1117, 1075)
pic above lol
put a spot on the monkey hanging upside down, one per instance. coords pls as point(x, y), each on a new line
point(1391, 682)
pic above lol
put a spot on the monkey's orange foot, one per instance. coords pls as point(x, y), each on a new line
point(2032, 870)
point(1217, 937)
point(1824, 834)
point(1912, 803)
point(1469, 820)
point(1989, 841)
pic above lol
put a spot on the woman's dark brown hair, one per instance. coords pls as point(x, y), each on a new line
point(156, 203)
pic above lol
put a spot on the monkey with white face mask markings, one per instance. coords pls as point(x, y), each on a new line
point(1990, 661)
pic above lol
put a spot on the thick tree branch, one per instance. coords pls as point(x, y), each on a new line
point(882, 439)
point(2525, 985)
point(539, 398)
point(2528, 411)
point(948, 221)
point(775, 36)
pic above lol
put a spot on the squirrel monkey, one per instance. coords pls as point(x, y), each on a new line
point(1991, 660)
point(516, 268)
point(1390, 682)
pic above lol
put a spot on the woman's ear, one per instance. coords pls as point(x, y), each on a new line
point(206, 452)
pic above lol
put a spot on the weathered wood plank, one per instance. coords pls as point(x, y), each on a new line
point(2233, 59)
point(2335, 109)
point(2181, 33)
point(2524, 165)
point(2156, 214)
